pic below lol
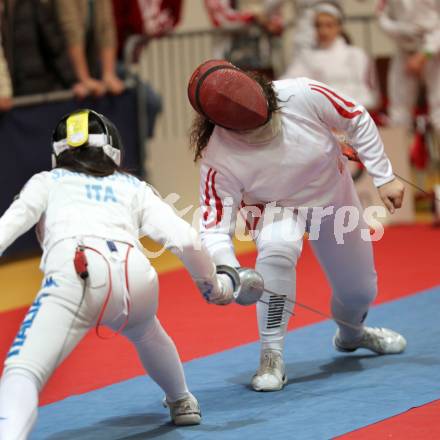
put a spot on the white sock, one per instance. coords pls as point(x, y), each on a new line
point(18, 404)
point(279, 276)
point(353, 316)
point(160, 358)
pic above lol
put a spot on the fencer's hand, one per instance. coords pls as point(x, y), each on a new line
point(222, 294)
point(392, 194)
point(219, 291)
point(416, 63)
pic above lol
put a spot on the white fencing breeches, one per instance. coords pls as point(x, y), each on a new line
point(404, 89)
point(349, 268)
point(60, 316)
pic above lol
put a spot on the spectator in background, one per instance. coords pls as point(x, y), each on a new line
point(89, 29)
point(334, 62)
point(34, 50)
point(225, 14)
point(305, 31)
point(5, 84)
point(152, 18)
point(415, 27)
point(160, 17)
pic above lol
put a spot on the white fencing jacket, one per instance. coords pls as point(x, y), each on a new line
point(301, 166)
point(118, 207)
point(413, 24)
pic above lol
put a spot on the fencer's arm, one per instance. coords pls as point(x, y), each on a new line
point(159, 222)
point(342, 113)
point(220, 196)
point(25, 211)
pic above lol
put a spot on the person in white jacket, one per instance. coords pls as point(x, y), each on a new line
point(269, 148)
point(90, 217)
point(305, 31)
point(415, 28)
point(335, 62)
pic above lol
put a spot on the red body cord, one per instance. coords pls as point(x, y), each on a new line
point(110, 291)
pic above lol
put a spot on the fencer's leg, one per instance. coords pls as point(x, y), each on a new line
point(18, 404)
point(160, 358)
point(279, 275)
point(155, 348)
point(279, 247)
point(350, 269)
point(45, 338)
point(432, 79)
point(402, 89)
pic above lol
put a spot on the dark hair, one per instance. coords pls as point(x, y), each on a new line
point(202, 128)
point(85, 159)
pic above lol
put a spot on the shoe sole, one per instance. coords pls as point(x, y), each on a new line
point(378, 352)
point(342, 349)
point(268, 390)
point(188, 420)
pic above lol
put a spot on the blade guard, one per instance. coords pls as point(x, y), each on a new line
point(248, 284)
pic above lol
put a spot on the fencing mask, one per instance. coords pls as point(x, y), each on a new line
point(227, 96)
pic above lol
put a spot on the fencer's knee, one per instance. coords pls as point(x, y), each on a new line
point(26, 372)
point(360, 294)
point(143, 331)
point(282, 253)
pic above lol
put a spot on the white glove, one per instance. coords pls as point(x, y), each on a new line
point(221, 293)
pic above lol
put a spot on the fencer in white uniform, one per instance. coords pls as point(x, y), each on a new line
point(333, 61)
point(415, 28)
point(286, 164)
point(90, 217)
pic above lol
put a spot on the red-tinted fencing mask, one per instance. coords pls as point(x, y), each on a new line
point(227, 96)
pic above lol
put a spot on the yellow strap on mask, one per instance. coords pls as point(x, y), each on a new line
point(77, 129)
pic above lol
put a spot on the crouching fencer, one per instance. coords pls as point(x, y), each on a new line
point(270, 145)
point(90, 215)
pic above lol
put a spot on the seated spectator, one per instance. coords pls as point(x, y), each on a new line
point(34, 50)
point(335, 62)
point(89, 30)
point(5, 84)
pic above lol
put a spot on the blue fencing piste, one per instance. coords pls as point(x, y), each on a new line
point(25, 145)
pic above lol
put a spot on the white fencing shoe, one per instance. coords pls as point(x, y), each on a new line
point(377, 339)
point(271, 375)
point(185, 411)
